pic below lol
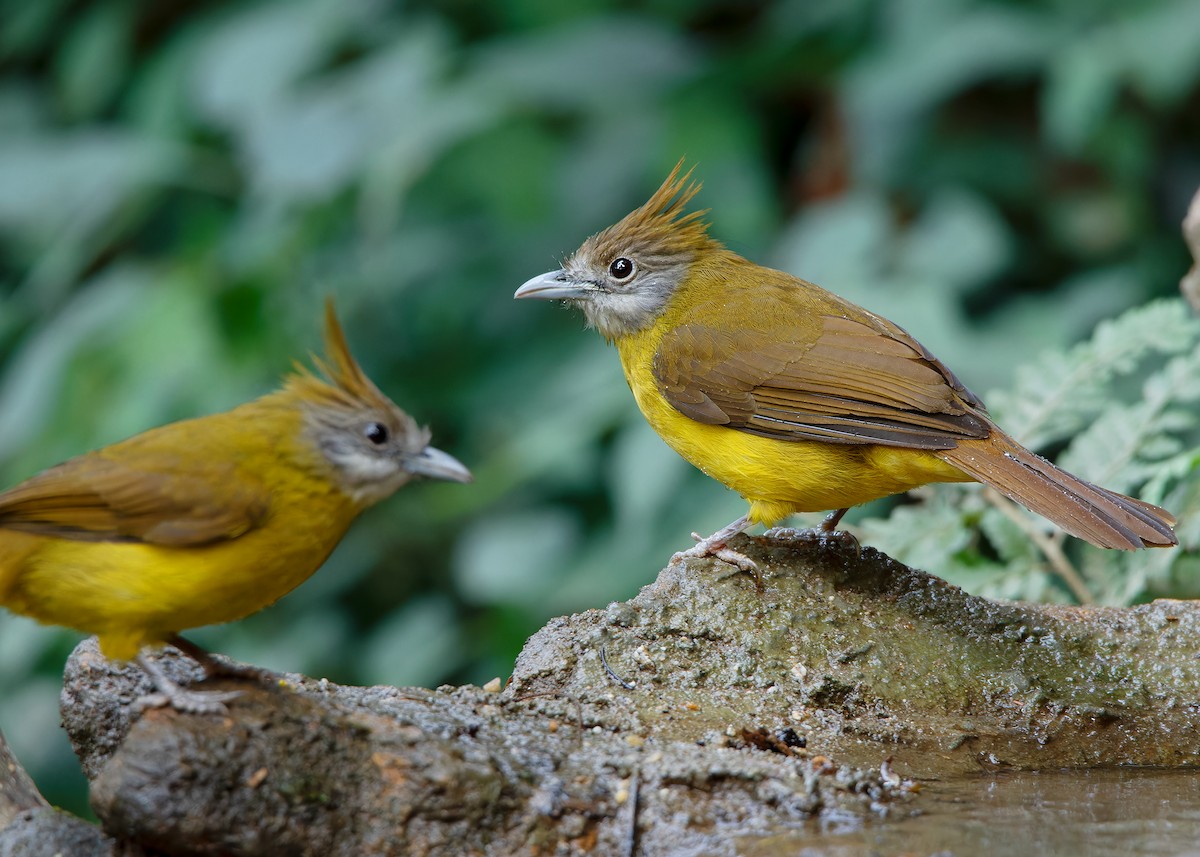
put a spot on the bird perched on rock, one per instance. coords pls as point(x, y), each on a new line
point(211, 519)
point(794, 397)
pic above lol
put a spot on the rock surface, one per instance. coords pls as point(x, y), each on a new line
point(866, 658)
point(704, 716)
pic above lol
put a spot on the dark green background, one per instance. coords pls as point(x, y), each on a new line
point(182, 183)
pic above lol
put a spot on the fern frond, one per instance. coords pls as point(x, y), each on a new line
point(1124, 446)
point(1153, 443)
point(1058, 394)
point(922, 536)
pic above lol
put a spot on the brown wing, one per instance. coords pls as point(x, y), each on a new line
point(158, 497)
point(854, 381)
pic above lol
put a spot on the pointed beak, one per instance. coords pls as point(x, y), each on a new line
point(435, 464)
point(555, 285)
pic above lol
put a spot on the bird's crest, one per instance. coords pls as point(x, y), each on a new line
point(345, 384)
point(660, 226)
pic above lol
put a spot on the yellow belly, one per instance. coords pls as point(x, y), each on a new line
point(132, 594)
point(780, 477)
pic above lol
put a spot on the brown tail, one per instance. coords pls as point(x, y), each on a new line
point(1102, 517)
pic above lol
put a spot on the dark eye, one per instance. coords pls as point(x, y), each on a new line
point(377, 433)
point(621, 268)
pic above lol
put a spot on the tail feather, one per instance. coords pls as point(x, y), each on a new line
point(1102, 517)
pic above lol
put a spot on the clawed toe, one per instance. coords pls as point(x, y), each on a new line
point(705, 548)
point(821, 536)
point(189, 701)
point(736, 559)
point(168, 693)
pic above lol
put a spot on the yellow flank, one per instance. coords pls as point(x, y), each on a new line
point(132, 594)
point(777, 477)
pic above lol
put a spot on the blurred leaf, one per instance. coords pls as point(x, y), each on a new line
point(843, 242)
point(919, 536)
point(1081, 85)
point(580, 64)
point(514, 558)
point(1159, 46)
point(33, 378)
point(77, 180)
point(415, 646)
point(933, 50)
point(92, 59)
point(645, 476)
point(314, 140)
point(1124, 444)
point(258, 52)
point(959, 240)
point(27, 26)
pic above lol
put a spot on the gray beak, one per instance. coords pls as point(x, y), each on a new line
point(436, 464)
point(554, 285)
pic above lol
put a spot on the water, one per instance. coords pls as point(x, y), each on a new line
point(1100, 813)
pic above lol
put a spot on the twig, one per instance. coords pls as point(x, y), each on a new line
point(625, 684)
point(1050, 547)
point(631, 832)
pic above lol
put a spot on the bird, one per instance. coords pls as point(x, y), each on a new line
point(794, 397)
point(210, 519)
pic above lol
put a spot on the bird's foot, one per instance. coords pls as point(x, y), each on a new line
point(706, 547)
point(189, 701)
point(825, 535)
point(842, 539)
point(822, 538)
point(168, 693)
point(714, 547)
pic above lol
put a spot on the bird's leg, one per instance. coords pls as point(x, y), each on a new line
point(188, 701)
point(829, 525)
point(714, 545)
point(215, 667)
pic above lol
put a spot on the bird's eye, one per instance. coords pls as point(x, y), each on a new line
point(377, 433)
point(621, 268)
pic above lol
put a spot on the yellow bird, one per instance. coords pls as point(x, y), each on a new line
point(211, 519)
point(795, 398)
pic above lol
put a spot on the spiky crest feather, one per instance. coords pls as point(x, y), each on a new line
point(659, 227)
point(344, 385)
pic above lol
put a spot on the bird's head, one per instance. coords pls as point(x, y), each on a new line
point(623, 277)
point(371, 446)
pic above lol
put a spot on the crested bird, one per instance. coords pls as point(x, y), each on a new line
point(210, 519)
point(800, 400)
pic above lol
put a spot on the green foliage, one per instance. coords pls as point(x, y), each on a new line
point(1139, 438)
point(183, 183)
